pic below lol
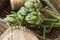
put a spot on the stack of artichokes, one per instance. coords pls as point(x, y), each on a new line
point(34, 15)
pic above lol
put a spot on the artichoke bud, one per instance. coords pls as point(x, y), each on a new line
point(23, 11)
point(28, 4)
point(33, 18)
point(37, 3)
point(14, 20)
point(9, 19)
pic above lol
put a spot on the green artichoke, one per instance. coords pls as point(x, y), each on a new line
point(33, 18)
point(23, 11)
point(14, 19)
point(29, 4)
point(10, 18)
point(33, 3)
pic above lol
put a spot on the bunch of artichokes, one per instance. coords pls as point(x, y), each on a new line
point(28, 13)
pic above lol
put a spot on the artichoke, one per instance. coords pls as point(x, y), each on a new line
point(23, 11)
point(33, 18)
point(14, 19)
point(10, 18)
point(33, 3)
point(29, 4)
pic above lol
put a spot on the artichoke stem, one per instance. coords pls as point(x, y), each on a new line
point(46, 19)
point(50, 5)
point(44, 32)
point(50, 27)
point(51, 13)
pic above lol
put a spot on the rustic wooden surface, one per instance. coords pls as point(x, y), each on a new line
point(3, 3)
point(5, 11)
